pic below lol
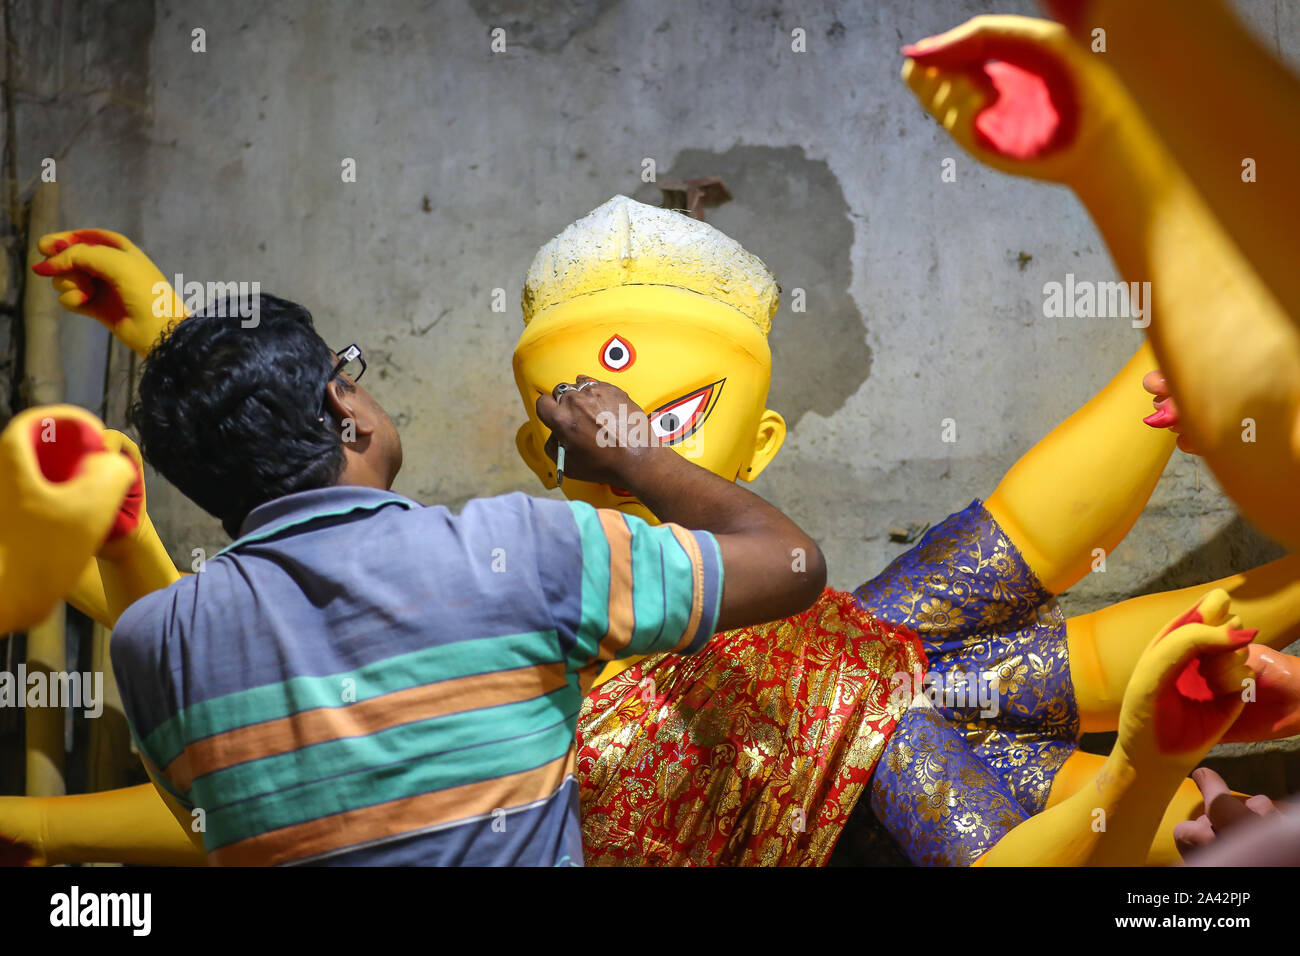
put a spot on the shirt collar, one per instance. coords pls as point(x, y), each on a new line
point(303, 506)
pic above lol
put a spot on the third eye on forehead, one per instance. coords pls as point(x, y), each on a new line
point(617, 354)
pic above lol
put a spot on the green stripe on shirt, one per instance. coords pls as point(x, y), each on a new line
point(274, 701)
point(432, 738)
point(595, 583)
point(663, 589)
point(402, 775)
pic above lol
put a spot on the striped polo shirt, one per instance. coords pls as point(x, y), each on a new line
point(362, 680)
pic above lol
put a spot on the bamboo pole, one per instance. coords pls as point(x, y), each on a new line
point(43, 385)
point(43, 382)
point(46, 652)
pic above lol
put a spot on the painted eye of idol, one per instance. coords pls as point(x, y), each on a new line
point(682, 416)
point(617, 354)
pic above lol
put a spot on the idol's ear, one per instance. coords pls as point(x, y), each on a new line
point(767, 442)
point(534, 456)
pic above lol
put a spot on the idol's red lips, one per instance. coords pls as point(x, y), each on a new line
point(621, 492)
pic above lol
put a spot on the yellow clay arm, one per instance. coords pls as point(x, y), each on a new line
point(1222, 335)
point(1083, 486)
point(1216, 97)
point(1229, 351)
point(104, 275)
point(1129, 801)
point(87, 595)
point(1163, 733)
point(59, 494)
point(1104, 650)
point(136, 563)
point(131, 825)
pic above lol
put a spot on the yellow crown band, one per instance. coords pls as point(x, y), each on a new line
point(659, 306)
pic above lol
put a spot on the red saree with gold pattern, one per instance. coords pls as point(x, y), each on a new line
point(751, 752)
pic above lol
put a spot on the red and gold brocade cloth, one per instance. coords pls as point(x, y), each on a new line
point(751, 752)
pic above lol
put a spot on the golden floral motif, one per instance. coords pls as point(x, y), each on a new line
point(936, 615)
point(1011, 675)
point(978, 608)
point(965, 807)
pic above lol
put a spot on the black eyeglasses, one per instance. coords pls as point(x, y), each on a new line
point(352, 363)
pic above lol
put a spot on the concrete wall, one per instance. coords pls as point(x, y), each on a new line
point(924, 298)
point(82, 98)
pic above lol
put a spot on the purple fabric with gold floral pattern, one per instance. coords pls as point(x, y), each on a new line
point(956, 776)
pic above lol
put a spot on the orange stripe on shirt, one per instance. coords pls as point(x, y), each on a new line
point(273, 737)
point(622, 617)
point(691, 546)
point(395, 817)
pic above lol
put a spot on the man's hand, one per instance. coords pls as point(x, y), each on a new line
point(604, 433)
point(1186, 689)
point(772, 569)
point(1223, 810)
point(1017, 94)
point(103, 275)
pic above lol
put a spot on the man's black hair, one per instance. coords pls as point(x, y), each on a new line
point(231, 415)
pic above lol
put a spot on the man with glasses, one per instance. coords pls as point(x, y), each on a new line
point(359, 679)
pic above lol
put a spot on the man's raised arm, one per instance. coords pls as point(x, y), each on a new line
point(772, 569)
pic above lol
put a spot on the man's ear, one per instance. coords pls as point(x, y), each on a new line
point(767, 442)
point(344, 405)
point(534, 456)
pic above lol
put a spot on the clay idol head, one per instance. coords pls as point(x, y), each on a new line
point(673, 312)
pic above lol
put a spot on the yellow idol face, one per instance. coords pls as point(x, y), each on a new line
point(699, 369)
